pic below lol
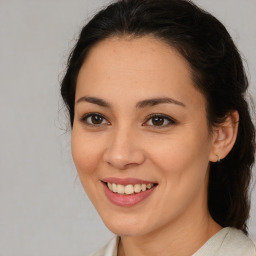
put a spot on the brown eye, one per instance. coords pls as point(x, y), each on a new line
point(94, 119)
point(159, 121)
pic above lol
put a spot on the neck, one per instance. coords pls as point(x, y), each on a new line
point(182, 237)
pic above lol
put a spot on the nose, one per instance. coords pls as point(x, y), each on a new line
point(123, 150)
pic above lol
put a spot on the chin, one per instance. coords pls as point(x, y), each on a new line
point(127, 230)
point(127, 226)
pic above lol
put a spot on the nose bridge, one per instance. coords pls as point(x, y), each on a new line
point(123, 149)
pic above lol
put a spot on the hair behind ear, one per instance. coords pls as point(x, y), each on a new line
point(229, 181)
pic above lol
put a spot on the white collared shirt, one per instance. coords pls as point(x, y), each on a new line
point(227, 242)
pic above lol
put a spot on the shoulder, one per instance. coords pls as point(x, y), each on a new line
point(110, 249)
point(239, 242)
point(229, 242)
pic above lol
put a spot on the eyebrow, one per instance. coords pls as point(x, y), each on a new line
point(140, 104)
point(157, 101)
point(94, 100)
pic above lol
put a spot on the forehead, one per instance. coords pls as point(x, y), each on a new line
point(141, 67)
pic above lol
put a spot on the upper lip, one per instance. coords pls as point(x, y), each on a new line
point(126, 181)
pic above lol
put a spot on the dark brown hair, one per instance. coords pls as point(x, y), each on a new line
point(217, 71)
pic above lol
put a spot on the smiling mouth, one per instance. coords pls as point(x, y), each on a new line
point(127, 192)
point(129, 189)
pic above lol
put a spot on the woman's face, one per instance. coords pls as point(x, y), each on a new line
point(140, 128)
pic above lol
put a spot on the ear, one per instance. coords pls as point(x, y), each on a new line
point(224, 136)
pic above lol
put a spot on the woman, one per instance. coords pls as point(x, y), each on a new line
point(161, 133)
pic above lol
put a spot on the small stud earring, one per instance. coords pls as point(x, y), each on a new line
point(218, 158)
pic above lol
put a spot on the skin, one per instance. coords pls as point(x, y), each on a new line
point(174, 219)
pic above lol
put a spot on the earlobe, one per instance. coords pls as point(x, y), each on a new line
point(224, 136)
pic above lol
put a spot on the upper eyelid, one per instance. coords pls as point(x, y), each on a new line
point(171, 119)
point(91, 114)
point(87, 115)
point(162, 115)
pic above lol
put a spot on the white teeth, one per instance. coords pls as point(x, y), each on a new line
point(149, 186)
point(137, 188)
point(110, 186)
point(128, 189)
point(120, 189)
point(114, 188)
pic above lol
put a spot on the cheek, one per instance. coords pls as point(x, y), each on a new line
point(183, 167)
point(86, 156)
point(181, 150)
point(182, 160)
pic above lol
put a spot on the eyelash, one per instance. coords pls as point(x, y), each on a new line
point(170, 120)
point(84, 119)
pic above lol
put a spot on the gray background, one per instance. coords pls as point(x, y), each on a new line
point(43, 209)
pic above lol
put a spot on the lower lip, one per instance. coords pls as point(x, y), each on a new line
point(127, 200)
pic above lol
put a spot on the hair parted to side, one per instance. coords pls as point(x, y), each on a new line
point(217, 70)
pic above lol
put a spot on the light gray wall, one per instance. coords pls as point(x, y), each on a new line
point(44, 211)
